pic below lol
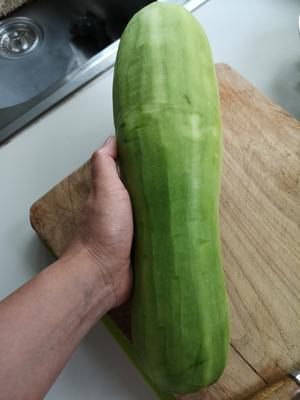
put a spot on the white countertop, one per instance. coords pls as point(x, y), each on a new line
point(258, 38)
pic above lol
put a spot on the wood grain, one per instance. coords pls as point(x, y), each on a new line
point(260, 230)
point(285, 388)
point(55, 215)
point(260, 217)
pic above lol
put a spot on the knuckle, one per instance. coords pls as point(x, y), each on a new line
point(97, 155)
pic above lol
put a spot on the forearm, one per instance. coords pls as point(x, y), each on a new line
point(42, 323)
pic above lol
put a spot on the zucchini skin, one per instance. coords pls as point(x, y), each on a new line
point(168, 127)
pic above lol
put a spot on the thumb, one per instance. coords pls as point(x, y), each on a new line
point(104, 167)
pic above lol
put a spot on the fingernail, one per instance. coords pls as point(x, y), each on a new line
point(108, 140)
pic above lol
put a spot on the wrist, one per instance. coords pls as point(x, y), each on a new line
point(90, 280)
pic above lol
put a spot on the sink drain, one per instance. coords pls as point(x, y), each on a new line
point(19, 36)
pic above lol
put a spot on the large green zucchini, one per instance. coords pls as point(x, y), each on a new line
point(167, 118)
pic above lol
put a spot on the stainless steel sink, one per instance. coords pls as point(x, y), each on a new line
point(49, 48)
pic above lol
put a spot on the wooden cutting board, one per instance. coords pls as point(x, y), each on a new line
point(260, 230)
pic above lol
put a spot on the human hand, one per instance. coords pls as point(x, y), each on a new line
point(105, 229)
